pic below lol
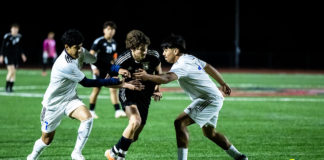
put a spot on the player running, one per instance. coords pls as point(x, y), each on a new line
point(193, 77)
point(61, 99)
point(136, 103)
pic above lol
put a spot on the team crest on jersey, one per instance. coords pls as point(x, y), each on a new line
point(145, 65)
point(130, 68)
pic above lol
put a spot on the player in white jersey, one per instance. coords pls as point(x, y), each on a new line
point(193, 77)
point(61, 99)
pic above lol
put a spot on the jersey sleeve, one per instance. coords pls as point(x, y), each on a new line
point(179, 70)
point(95, 45)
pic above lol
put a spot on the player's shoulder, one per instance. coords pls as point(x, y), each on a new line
point(124, 57)
point(64, 63)
point(99, 39)
point(153, 53)
point(6, 35)
point(19, 35)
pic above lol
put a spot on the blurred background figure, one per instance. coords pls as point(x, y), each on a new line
point(11, 52)
point(49, 52)
point(105, 48)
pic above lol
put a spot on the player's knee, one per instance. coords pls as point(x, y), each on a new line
point(178, 123)
point(47, 140)
point(135, 122)
point(209, 135)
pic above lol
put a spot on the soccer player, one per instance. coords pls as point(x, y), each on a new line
point(10, 53)
point(61, 98)
point(104, 48)
point(193, 77)
point(136, 102)
point(49, 52)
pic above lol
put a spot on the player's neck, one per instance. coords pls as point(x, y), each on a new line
point(176, 58)
point(108, 38)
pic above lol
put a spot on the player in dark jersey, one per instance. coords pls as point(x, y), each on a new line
point(11, 52)
point(136, 103)
point(104, 48)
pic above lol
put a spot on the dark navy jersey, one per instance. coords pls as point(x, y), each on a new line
point(11, 45)
point(105, 51)
point(149, 64)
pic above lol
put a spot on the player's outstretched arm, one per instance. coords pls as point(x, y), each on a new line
point(218, 77)
point(159, 79)
point(85, 82)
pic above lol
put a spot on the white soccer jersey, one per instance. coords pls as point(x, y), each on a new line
point(65, 76)
point(193, 79)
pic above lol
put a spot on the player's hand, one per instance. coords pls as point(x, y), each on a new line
point(133, 87)
point(1, 59)
point(226, 89)
point(141, 74)
point(124, 73)
point(137, 84)
point(157, 95)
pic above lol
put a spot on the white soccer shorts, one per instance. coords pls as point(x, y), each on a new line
point(205, 112)
point(51, 116)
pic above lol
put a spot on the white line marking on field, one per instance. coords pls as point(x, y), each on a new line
point(182, 98)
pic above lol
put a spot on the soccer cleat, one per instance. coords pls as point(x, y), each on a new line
point(120, 113)
point(94, 115)
point(242, 157)
point(77, 156)
point(110, 155)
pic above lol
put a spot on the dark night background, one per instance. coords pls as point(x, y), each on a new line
point(273, 34)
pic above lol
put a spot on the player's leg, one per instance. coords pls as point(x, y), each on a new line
point(93, 99)
point(182, 134)
point(11, 77)
point(84, 116)
point(50, 120)
point(120, 149)
point(41, 144)
point(143, 110)
point(115, 101)
point(219, 139)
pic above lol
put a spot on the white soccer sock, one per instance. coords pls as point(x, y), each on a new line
point(233, 152)
point(39, 146)
point(83, 134)
point(182, 153)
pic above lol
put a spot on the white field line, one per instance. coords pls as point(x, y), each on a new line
point(182, 98)
point(252, 85)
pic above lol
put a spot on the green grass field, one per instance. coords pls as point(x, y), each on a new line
point(264, 128)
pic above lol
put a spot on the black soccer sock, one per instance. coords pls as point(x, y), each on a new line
point(123, 144)
point(117, 107)
point(92, 106)
point(11, 84)
point(7, 86)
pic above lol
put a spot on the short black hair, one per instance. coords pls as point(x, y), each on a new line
point(15, 25)
point(72, 37)
point(112, 24)
point(174, 41)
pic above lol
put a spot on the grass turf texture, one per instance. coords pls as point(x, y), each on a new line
point(261, 129)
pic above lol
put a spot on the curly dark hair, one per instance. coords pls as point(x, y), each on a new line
point(72, 37)
point(135, 38)
point(174, 41)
